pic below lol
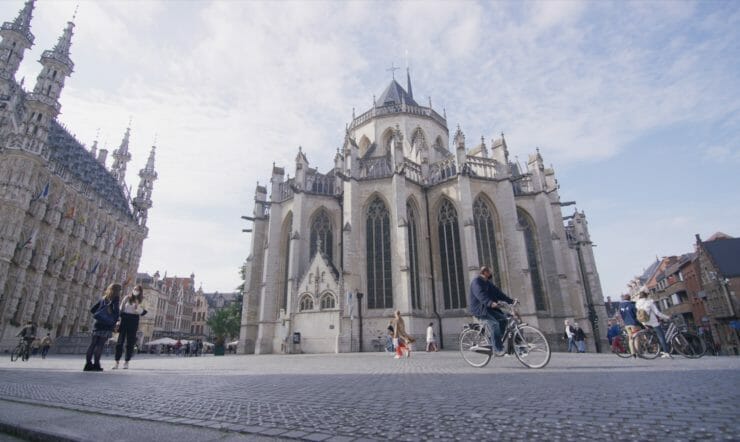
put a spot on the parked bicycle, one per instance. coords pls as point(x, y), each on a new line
point(524, 341)
point(688, 344)
point(22, 350)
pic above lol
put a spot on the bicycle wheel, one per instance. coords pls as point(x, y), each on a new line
point(472, 350)
point(689, 345)
point(17, 353)
point(681, 345)
point(620, 345)
point(531, 347)
point(646, 344)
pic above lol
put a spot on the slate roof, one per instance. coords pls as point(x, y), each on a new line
point(392, 95)
point(72, 155)
point(725, 254)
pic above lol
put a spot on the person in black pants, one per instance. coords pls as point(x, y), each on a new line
point(104, 325)
point(132, 308)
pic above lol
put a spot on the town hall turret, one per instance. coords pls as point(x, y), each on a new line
point(404, 221)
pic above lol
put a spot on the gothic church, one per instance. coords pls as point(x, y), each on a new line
point(404, 221)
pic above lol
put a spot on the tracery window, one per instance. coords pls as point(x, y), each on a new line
point(328, 301)
point(378, 237)
point(451, 257)
point(485, 239)
point(306, 303)
point(321, 235)
point(535, 275)
point(413, 247)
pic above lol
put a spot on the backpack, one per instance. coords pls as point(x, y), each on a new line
point(642, 315)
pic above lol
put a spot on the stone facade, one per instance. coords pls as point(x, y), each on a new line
point(404, 221)
point(68, 226)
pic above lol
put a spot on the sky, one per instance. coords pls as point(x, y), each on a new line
point(636, 105)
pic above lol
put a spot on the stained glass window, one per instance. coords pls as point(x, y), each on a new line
point(321, 235)
point(412, 227)
point(485, 239)
point(379, 279)
point(530, 241)
point(451, 257)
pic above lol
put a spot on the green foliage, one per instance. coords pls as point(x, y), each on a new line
point(225, 323)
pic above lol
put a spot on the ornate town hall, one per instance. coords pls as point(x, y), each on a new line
point(404, 221)
point(68, 226)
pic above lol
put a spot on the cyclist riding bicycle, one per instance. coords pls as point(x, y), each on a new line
point(654, 316)
point(28, 334)
point(485, 299)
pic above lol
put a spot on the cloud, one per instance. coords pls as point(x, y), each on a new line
point(230, 87)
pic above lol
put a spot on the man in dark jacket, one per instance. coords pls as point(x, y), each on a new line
point(628, 312)
point(484, 301)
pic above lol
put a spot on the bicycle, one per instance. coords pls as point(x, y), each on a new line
point(22, 350)
point(687, 344)
point(620, 345)
point(524, 341)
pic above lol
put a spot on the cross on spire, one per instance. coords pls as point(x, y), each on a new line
point(393, 70)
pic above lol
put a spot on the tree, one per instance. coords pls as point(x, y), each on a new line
point(225, 323)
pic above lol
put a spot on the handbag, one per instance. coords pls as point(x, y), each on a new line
point(104, 315)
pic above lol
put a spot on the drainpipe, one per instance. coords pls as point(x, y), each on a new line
point(359, 316)
point(431, 271)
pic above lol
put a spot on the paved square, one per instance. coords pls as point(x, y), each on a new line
point(433, 396)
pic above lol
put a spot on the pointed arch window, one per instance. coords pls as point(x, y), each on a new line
point(378, 237)
point(535, 274)
point(412, 227)
point(328, 301)
point(306, 303)
point(485, 239)
point(451, 257)
point(321, 235)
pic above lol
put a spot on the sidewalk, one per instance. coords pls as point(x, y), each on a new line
point(39, 423)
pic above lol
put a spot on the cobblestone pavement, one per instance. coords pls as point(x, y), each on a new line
point(433, 396)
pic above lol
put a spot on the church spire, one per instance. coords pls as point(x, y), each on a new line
point(143, 200)
point(16, 38)
point(121, 157)
point(408, 83)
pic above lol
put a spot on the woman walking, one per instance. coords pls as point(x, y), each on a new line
point(105, 312)
point(400, 339)
point(132, 308)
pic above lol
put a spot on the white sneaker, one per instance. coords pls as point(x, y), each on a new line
point(125, 365)
point(665, 355)
point(396, 357)
point(115, 366)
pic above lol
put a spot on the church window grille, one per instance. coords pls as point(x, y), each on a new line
point(379, 279)
point(413, 246)
point(321, 235)
point(306, 303)
point(328, 302)
point(535, 274)
point(451, 257)
point(485, 239)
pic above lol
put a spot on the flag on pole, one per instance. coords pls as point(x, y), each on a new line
point(44, 193)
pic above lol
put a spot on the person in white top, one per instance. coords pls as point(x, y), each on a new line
point(132, 308)
point(569, 336)
point(431, 343)
point(647, 304)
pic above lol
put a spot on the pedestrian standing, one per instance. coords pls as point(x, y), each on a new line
point(178, 347)
point(580, 337)
point(186, 347)
point(401, 340)
point(132, 308)
point(628, 312)
point(200, 347)
point(106, 312)
point(431, 344)
point(569, 336)
point(45, 345)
